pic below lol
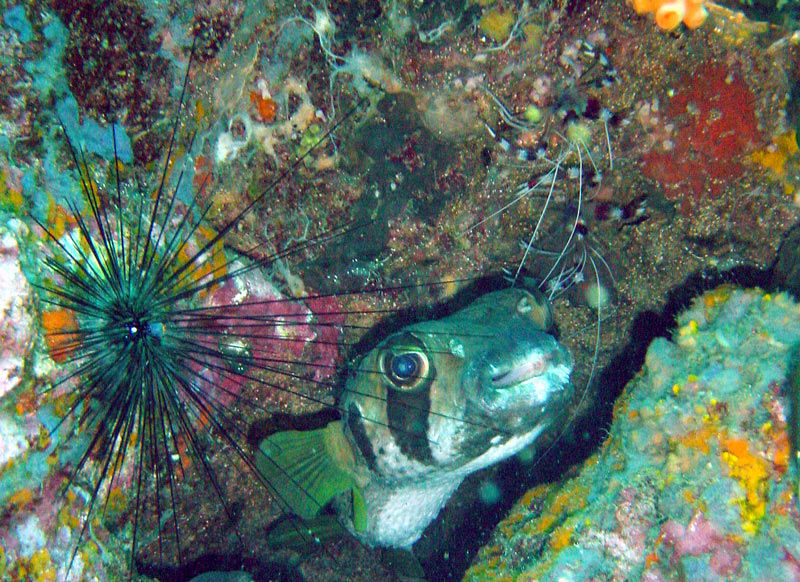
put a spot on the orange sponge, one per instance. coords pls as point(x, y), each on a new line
point(670, 13)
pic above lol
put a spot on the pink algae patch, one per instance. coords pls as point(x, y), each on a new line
point(713, 113)
point(270, 331)
point(702, 537)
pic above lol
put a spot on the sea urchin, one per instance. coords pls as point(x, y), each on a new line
point(158, 358)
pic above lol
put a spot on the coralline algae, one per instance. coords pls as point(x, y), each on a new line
point(694, 481)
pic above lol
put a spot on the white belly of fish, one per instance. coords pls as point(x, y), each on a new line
point(397, 515)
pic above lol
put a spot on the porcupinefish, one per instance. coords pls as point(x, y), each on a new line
point(426, 407)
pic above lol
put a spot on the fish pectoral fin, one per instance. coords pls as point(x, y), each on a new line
point(359, 510)
point(302, 469)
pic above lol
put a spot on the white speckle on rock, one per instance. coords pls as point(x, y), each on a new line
point(30, 536)
point(12, 440)
point(16, 319)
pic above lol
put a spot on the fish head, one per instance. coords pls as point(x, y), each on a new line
point(461, 392)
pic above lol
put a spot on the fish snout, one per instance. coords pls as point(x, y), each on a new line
point(531, 373)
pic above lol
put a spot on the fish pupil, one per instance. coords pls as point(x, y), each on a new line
point(404, 366)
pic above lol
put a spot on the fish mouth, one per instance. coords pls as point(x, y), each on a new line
point(528, 366)
point(531, 366)
point(528, 381)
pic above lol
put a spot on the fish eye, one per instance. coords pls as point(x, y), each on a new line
point(404, 369)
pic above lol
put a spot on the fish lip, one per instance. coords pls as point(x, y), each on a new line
point(526, 367)
point(532, 366)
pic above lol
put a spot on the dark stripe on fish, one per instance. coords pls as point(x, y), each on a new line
point(407, 412)
point(356, 425)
